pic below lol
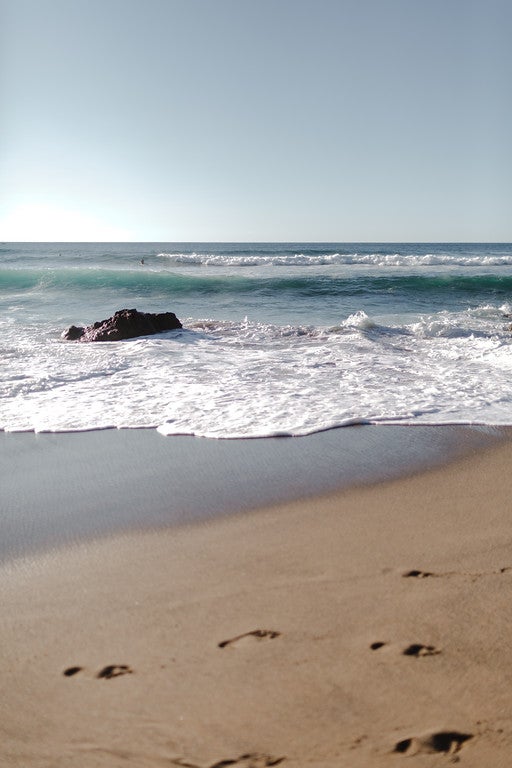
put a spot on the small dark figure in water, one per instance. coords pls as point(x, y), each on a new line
point(142, 262)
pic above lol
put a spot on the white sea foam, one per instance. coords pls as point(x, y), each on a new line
point(225, 379)
point(342, 259)
point(358, 320)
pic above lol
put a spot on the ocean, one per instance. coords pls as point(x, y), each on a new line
point(277, 338)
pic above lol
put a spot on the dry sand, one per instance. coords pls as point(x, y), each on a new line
point(365, 628)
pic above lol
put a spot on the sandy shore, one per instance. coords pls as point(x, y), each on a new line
point(367, 627)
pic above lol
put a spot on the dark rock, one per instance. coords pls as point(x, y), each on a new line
point(124, 324)
point(73, 333)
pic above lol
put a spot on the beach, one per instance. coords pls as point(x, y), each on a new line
point(359, 623)
point(255, 384)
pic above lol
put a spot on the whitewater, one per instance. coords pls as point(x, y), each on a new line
point(278, 338)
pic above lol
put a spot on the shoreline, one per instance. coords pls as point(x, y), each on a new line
point(59, 489)
point(348, 630)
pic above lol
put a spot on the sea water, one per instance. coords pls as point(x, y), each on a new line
point(277, 339)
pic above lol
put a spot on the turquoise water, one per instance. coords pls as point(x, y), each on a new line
point(277, 339)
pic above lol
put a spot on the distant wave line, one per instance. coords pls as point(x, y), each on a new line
point(255, 259)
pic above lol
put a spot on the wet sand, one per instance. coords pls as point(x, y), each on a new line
point(60, 489)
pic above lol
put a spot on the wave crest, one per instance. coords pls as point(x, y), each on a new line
point(301, 259)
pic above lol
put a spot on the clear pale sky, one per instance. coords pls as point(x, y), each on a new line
point(254, 120)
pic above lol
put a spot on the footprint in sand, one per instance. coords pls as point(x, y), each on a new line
point(256, 634)
point(114, 670)
point(250, 760)
point(107, 673)
point(415, 574)
point(71, 671)
point(415, 649)
point(447, 742)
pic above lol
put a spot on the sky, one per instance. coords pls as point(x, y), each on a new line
point(256, 120)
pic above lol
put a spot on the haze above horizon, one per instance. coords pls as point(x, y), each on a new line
point(239, 121)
